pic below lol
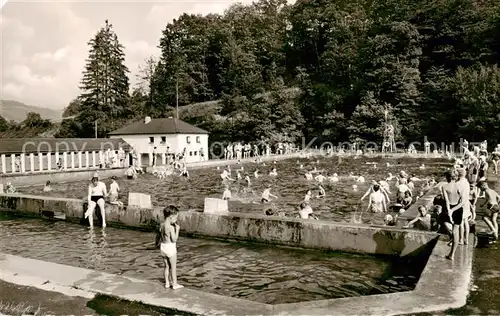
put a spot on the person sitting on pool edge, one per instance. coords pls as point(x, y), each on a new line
point(96, 194)
point(114, 188)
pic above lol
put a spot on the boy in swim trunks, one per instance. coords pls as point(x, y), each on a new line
point(166, 239)
point(423, 221)
point(491, 214)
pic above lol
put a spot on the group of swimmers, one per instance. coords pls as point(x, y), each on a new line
point(378, 192)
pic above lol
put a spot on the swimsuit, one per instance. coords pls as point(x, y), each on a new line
point(493, 208)
point(168, 249)
point(264, 200)
point(457, 215)
point(96, 198)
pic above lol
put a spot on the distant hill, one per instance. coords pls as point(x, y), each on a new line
point(16, 111)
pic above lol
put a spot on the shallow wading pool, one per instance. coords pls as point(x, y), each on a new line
point(255, 272)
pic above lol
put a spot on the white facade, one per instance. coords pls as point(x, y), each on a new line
point(145, 143)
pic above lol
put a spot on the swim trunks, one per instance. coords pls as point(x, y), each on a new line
point(457, 215)
point(95, 198)
point(168, 249)
point(492, 209)
point(264, 200)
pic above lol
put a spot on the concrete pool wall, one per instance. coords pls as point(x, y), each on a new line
point(321, 235)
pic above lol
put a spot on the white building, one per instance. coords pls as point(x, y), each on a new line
point(166, 134)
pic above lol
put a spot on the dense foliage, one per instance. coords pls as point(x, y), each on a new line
point(33, 125)
point(319, 68)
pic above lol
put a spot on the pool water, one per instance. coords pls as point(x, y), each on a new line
point(250, 271)
point(340, 204)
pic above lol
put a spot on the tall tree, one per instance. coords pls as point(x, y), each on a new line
point(105, 85)
point(145, 75)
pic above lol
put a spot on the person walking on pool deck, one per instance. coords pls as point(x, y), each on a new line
point(97, 192)
point(453, 206)
point(166, 239)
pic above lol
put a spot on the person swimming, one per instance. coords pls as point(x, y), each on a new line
point(306, 211)
point(225, 175)
point(273, 172)
point(267, 195)
point(376, 203)
point(308, 176)
point(226, 195)
point(47, 187)
point(308, 196)
point(256, 173)
point(320, 177)
point(334, 178)
point(247, 179)
point(322, 192)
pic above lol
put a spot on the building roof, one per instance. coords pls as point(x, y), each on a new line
point(159, 126)
point(43, 145)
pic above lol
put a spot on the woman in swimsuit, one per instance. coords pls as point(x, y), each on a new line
point(97, 192)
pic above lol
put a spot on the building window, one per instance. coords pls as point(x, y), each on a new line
point(188, 139)
point(190, 153)
point(195, 153)
point(198, 139)
point(151, 140)
point(163, 139)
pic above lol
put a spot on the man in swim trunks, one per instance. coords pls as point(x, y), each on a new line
point(454, 203)
point(491, 214)
point(464, 191)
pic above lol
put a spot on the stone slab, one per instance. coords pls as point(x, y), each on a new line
point(140, 200)
point(216, 206)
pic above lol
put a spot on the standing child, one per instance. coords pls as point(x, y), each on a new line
point(167, 239)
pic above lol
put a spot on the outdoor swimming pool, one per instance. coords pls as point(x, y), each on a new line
point(340, 203)
point(255, 272)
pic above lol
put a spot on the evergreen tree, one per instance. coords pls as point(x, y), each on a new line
point(105, 85)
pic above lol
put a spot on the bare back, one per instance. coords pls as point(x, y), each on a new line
point(450, 191)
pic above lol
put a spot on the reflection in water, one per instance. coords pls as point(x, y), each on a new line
point(290, 185)
point(97, 247)
point(255, 272)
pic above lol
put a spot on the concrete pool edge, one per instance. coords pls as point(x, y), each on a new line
point(442, 285)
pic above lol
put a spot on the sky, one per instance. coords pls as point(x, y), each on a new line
point(44, 43)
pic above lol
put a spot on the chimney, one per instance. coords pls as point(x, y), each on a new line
point(147, 119)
